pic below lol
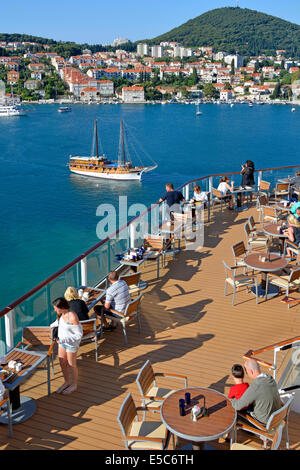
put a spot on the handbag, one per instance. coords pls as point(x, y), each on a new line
point(55, 332)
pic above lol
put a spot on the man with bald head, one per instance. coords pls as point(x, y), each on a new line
point(262, 398)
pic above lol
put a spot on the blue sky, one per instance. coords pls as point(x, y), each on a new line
point(101, 21)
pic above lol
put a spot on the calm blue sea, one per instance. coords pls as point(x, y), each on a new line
point(49, 216)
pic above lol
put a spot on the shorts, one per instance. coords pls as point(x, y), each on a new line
point(68, 348)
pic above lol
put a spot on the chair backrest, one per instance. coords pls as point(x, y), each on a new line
point(37, 336)
point(263, 200)
point(180, 217)
point(145, 378)
point(127, 414)
point(251, 222)
point(217, 193)
point(269, 211)
point(282, 186)
point(239, 249)
point(279, 416)
point(131, 279)
point(88, 326)
point(155, 243)
point(295, 274)
point(297, 173)
point(264, 185)
point(247, 229)
point(132, 307)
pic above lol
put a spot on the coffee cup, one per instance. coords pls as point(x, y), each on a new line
point(12, 364)
point(80, 292)
point(85, 295)
point(18, 367)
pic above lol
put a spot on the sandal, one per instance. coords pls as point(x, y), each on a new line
point(62, 388)
point(69, 390)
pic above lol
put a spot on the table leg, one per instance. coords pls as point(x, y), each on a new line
point(195, 446)
point(272, 290)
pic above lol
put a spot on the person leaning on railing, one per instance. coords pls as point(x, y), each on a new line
point(173, 199)
point(69, 337)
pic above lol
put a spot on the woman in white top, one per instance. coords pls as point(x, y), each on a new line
point(224, 187)
point(199, 196)
point(69, 337)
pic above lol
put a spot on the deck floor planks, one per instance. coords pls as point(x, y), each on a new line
point(188, 327)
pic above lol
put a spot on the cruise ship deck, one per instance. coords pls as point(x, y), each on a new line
point(188, 327)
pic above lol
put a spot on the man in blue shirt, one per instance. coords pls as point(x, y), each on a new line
point(173, 199)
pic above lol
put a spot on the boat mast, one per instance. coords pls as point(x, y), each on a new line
point(123, 144)
point(96, 136)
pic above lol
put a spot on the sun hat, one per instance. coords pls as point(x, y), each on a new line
point(293, 220)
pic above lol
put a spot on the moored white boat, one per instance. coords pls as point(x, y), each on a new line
point(11, 110)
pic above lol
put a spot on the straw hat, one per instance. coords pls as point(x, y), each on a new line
point(292, 220)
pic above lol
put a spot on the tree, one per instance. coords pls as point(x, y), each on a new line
point(276, 92)
point(232, 71)
point(209, 91)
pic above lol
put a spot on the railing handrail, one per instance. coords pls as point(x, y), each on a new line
point(58, 273)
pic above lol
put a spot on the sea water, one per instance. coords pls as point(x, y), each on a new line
point(48, 215)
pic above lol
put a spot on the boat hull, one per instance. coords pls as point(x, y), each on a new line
point(109, 176)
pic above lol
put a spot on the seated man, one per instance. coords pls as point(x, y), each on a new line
point(117, 298)
point(262, 398)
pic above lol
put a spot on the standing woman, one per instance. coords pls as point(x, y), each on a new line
point(69, 337)
point(248, 175)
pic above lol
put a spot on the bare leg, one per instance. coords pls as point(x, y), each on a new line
point(72, 365)
point(62, 354)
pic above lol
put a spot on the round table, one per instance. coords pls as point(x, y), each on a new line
point(283, 208)
point(273, 263)
point(273, 231)
point(221, 419)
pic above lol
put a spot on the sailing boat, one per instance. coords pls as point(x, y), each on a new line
point(198, 112)
point(99, 166)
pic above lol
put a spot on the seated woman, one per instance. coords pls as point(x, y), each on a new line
point(224, 187)
point(293, 232)
point(199, 196)
point(76, 304)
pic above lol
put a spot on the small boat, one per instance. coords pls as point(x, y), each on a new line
point(64, 109)
point(231, 105)
point(293, 110)
point(250, 105)
point(9, 110)
point(99, 166)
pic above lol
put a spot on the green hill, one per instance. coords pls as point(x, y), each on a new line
point(237, 29)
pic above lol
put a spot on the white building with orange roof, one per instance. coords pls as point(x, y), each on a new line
point(133, 94)
point(89, 93)
point(105, 87)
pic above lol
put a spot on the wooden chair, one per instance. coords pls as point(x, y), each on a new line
point(271, 214)
point(90, 332)
point(282, 190)
point(151, 394)
point(254, 231)
point(295, 249)
point(239, 252)
point(39, 338)
point(134, 283)
point(264, 188)
point(131, 313)
point(217, 197)
point(7, 401)
point(284, 281)
point(239, 280)
point(274, 445)
point(263, 200)
point(254, 242)
point(158, 247)
point(266, 433)
point(141, 435)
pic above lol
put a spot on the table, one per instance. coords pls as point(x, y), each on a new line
point(238, 191)
point(295, 180)
point(283, 208)
point(221, 419)
point(95, 295)
point(273, 264)
point(136, 264)
point(272, 230)
point(22, 407)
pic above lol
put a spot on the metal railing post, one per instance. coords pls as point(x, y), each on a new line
point(187, 192)
point(260, 173)
point(9, 330)
point(132, 234)
point(83, 264)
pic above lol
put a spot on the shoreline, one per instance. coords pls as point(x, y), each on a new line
point(218, 102)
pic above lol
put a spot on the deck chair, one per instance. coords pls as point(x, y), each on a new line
point(218, 198)
point(239, 252)
point(264, 188)
point(254, 231)
point(39, 338)
point(254, 242)
point(271, 214)
point(90, 332)
point(151, 394)
point(274, 445)
point(159, 248)
point(134, 283)
point(239, 280)
point(266, 433)
point(282, 190)
point(141, 435)
point(6, 401)
point(284, 281)
point(131, 313)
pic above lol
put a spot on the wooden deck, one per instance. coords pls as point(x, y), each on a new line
point(188, 327)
